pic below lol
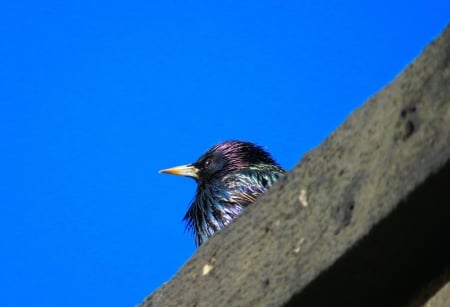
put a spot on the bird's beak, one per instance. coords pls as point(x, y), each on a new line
point(183, 170)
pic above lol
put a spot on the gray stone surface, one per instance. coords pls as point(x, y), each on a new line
point(428, 294)
point(362, 220)
point(441, 299)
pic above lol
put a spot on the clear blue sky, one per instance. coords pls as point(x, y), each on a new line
point(96, 97)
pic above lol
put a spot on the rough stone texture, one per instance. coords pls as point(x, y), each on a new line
point(362, 220)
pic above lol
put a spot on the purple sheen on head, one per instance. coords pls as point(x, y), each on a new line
point(241, 154)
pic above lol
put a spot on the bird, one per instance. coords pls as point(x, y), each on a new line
point(230, 176)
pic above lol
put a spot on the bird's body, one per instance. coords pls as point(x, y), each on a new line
point(230, 176)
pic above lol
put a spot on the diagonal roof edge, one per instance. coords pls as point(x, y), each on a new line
point(362, 219)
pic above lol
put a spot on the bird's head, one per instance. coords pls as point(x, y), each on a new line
point(221, 159)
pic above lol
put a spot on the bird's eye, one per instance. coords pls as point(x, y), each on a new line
point(208, 163)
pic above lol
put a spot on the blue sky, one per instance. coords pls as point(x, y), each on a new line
point(96, 97)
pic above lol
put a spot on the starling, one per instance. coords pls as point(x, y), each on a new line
point(229, 176)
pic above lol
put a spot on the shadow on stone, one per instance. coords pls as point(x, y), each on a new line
point(400, 256)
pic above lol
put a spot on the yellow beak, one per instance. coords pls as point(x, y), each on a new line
point(187, 170)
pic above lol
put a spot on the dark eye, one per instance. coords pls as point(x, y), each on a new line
point(208, 162)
